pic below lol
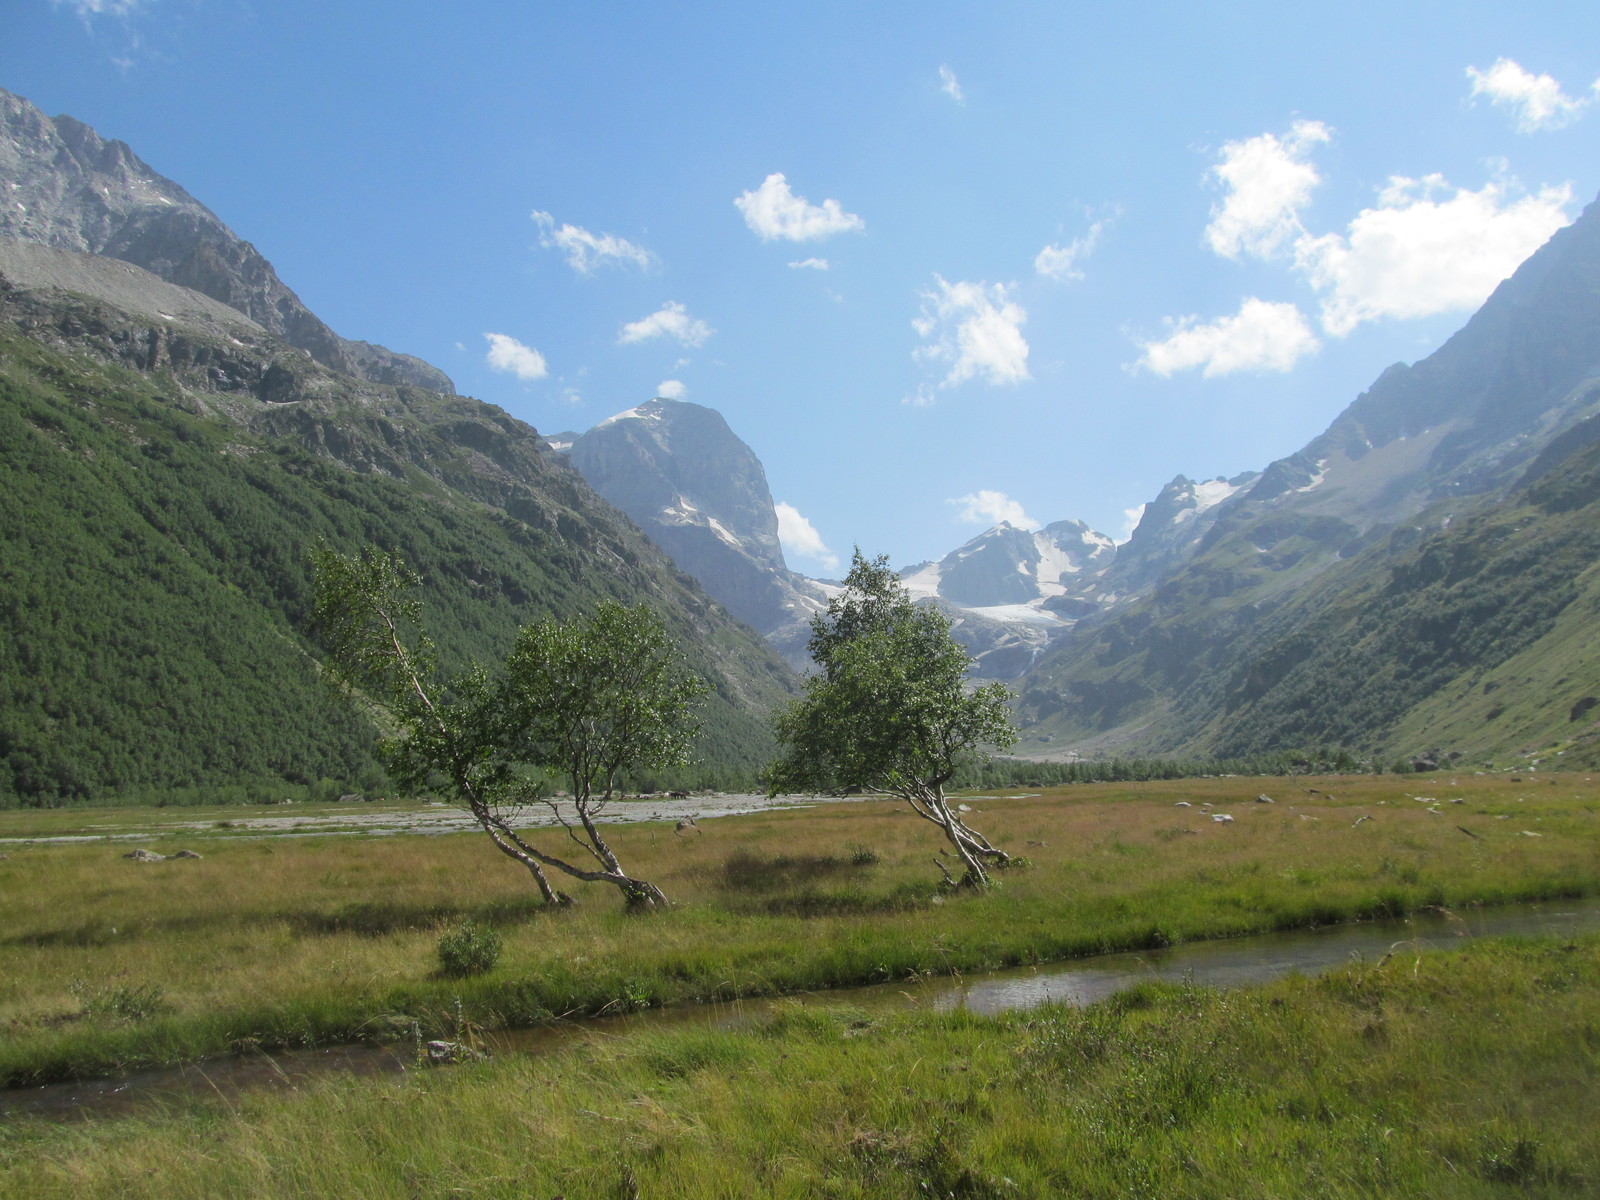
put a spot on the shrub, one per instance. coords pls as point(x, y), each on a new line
point(469, 949)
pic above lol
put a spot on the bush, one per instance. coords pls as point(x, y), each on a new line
point(469, 949)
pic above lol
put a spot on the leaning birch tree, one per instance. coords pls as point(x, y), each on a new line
point(888, 709)
point(620, 698)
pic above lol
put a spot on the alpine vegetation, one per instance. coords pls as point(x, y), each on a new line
point(889, 710)
point(588, 699)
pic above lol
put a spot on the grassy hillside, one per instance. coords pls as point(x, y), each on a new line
point(162, 488)
point(1467, 632)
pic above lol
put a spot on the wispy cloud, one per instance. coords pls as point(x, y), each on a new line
point(950, 85)
point(1261, 336)
point(670, 320)
point(586, 251)
point(509, 355)
point(98, 8)
point(1537, 101)
point(975, 329)
point(992, 508)
point(773, 211)
point(800, 538)
point(671, 389)
point(1062, 262)
point(810, 264)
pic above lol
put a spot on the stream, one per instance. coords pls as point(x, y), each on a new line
point(1232, 962)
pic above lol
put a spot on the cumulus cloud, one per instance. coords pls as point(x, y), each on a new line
point(991, 508)
point(1536, 101)
point(671, 389)
point(773, 211)
point(670, 320)
point(950, 85)
point(586, 251)
point(976, 329)
point(509, 355)
point(810, 264)
point(1427, 248)
point(1268, 181)
point(1262, 336)
point(800, 538)
point(1061, 262)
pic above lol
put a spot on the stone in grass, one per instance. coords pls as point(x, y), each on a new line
point(1263, 798)
point(142, 855)
point(441, 1053)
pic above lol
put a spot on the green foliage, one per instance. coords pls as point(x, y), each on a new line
point(469, 949)
point(600, 695)
point(155, 591)
point(888, 708)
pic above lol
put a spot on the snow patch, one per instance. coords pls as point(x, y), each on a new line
point(1316, 480)
point(923, 583)
point(1017, 614)
point(1211, 493)
point(639, 413)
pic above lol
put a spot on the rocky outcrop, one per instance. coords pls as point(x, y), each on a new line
point(69, 188)
point(701, 494)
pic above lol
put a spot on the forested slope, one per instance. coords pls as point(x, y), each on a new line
point(162, 484)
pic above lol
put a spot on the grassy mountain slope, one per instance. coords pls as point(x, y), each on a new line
point(162, 484)
point(1473, 633)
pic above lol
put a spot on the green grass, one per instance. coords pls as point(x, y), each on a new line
point(285, 941)
point(1465, 1074)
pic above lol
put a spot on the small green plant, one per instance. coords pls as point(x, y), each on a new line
point(469, 949)
point(121, 1001)
point(862, 856)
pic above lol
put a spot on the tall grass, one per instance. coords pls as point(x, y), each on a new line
point(300, 941)
point(1468, 1074)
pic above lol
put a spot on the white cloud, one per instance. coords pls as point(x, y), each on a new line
point(991, 508)
point(810, 264)
point(1262, 336)
point(773, 211)
point(1130, 521)
point(1268, 181)
point(670, 320)
point(671, 389)
point(950, 85)
point(508, 354)
point(585, 251)
point(975, 328)
point(1537, 101)
point(1423, 250)
point(1061, 262)
point(95, 8)
point(800, 538)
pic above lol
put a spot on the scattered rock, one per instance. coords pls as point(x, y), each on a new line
point(1361, 818)
point(349, 797)
point(1224, 817)
point(963, 808)
point(1182, 804)
point(1263, 798)
point(441, 1053)
point(145, 856)
point(185, 854)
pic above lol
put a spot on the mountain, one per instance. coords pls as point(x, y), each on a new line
point(68, 187)
point(1311, 571)
point(167, 461)
point(701, 494)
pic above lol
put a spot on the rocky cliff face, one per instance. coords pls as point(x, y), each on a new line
point(701, 494)
point(67, 187)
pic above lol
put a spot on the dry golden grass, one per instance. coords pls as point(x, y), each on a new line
point(333, 934)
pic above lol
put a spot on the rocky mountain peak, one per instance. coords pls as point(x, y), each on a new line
point(67, 187)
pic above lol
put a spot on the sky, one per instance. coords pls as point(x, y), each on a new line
point(938, 264)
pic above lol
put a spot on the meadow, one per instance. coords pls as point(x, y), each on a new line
point(267, 942)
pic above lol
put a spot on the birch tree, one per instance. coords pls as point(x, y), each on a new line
point(889, 710)
point(589, 700)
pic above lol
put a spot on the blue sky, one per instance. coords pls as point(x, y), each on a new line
point(937, 263)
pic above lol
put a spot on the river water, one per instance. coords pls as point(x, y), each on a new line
point(1232, 962)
